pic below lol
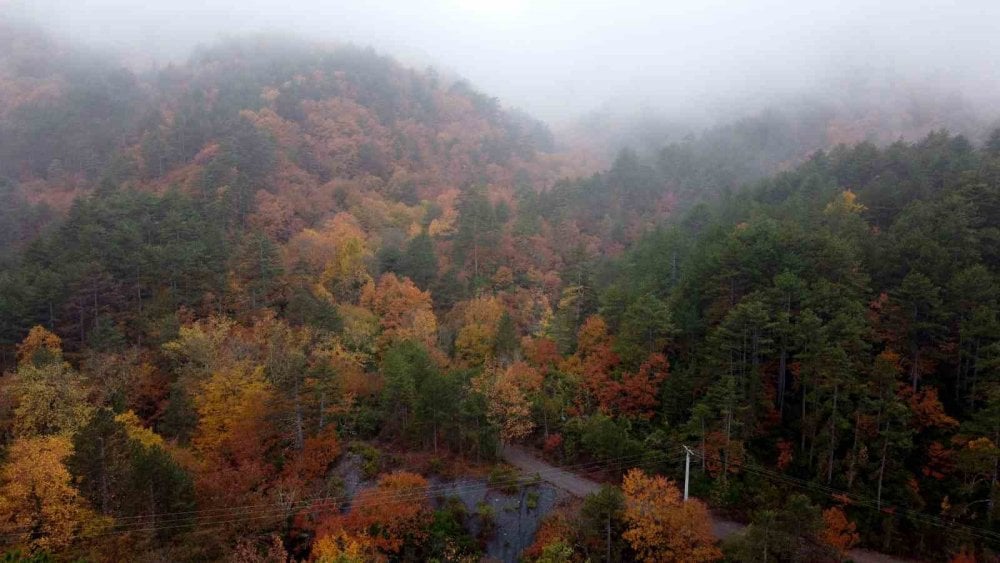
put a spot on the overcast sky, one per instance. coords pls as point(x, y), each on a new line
point(558, 59)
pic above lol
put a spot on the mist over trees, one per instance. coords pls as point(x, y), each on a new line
point(289, 301)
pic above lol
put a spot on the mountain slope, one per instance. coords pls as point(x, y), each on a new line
point(285, 301)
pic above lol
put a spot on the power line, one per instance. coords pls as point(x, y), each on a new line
point(213, 518)
point(855, 499)
point(331, 503)
point(584, 466)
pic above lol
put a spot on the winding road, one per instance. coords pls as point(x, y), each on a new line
point(578, 486)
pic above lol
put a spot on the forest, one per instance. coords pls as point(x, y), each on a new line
point(287, 302)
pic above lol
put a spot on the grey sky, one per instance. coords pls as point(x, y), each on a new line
point(558, 59)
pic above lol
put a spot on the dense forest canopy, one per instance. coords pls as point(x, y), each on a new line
point(269, 304)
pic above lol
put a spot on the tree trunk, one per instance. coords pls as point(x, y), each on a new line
point(299, 430)
point(138, 290)
point(802, 421)
point(812, 450)
point(782, 366)
point(322, 410)
point(765, 545)
point(854, 451)
point(881, 469)
point(725, 459)
point(152, 507)
point(975, 374)
point(704, 453)
point(607, 536)
point(96, 307)
point(993, 481)
point(833, 437)
point(961, 364)
point(105, 487)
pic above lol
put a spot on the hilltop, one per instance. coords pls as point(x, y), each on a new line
point(288, 300)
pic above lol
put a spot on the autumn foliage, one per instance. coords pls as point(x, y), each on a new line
point(384, 518)
point(554, 529)
point(403, 309)
point(39, 342)
point(838, 532)
point(39, 508)
point(661, 525)
point(275, 271)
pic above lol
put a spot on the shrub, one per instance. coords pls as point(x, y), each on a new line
point(504, 478)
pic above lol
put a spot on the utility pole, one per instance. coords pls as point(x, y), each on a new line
point(687, 471)
point(607, 532)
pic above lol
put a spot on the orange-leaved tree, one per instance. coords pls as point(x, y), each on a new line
point(556, 529)
point(404, 310)
point(839, 532)
point(662, 527)
point(596, 357)
point(637, 394)
point(306, 471)
point(964, 556)
point(387, 518)
point(39, 347)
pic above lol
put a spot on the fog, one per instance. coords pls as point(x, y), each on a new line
point(561, 59)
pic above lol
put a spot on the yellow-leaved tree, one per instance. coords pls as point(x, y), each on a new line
point(341, 547)
point(46, 394)
point(480, 318)
point(662, 527)
point(39, 508)
point(507, 405)
point(234, 435)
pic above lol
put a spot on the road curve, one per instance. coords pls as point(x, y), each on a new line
point(578, 486)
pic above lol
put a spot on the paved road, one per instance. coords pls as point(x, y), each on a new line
point(579, 486)
point(531, 464)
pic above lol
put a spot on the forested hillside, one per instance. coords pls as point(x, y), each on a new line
point(834, 329)
point(740, 146)
point(225, 282)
